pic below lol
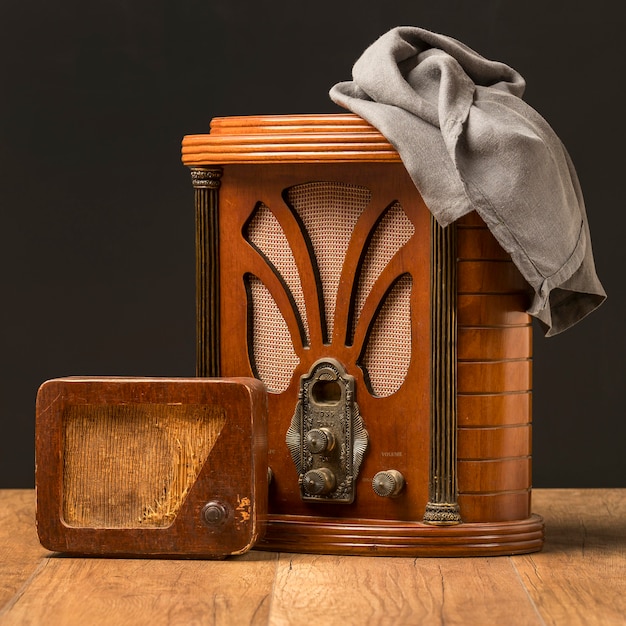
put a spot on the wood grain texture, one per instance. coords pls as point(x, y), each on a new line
point(578, 579)
point(494, 409)
point(491, 344)
point(73, 591)
point(494, 376)
point(494, 277)
point(495, 379)
point(20, 552)
point(295, 171)
point(368, 591)
point(403, 448)
point(493, 309)
point(505, 506)
point(489, 475)
point(494, 443)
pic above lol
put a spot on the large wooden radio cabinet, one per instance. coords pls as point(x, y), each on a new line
point(396, 353)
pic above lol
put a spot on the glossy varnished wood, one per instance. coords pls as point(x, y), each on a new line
point(262, 157)
point(341, 138)
point(402, 446)
point(494, 344)
point(577, 580)
point(495, 380)
point(496, 409)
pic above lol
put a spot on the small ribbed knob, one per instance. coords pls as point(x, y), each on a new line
point(214, 513)
point(388, 484)
point(320, 440)
point(319, 482)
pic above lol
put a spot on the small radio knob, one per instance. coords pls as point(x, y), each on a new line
point(320, 440)
point(388, 483)
point(214, 513)
point(319, 482)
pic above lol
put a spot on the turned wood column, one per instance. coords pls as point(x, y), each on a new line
point(206, 183)
point(442, 506)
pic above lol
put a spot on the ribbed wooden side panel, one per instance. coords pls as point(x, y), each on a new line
point(494, 380)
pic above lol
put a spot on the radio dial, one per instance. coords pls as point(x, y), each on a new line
point(320, 440)
point(319, 482)
point(388, 483)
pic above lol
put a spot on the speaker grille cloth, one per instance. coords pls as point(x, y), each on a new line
point(329, 211)
point(266, 233)
point(273, 357)
point(387, 355)
point(131, 466)
point(393, 232)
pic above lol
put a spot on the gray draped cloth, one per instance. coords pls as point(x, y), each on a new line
point(469, 142)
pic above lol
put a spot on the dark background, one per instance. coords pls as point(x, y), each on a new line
point(97, 230)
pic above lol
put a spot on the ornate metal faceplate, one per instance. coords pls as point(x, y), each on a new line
point(327, 439)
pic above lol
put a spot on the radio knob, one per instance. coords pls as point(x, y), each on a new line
point(320, 440)
point(214, 513)
point(388, 483)
point(319, 482)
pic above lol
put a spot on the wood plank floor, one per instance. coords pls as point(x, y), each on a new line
point(579, 578)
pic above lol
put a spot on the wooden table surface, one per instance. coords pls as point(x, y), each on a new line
point(578, 578)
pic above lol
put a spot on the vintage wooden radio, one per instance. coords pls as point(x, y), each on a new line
point(151, 466)
point(396, 354)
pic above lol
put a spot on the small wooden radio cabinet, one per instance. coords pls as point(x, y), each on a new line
point(151, 466)
point(396, 353)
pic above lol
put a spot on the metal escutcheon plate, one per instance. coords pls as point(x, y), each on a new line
point(327, 439)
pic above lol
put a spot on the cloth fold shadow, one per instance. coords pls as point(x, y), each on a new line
point(469, 142)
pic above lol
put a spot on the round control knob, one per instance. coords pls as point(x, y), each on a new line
point(319, 482)
point(388, 483)
point(214, 513)
point(320, 440)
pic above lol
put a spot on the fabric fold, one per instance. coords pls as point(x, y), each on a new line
point(469, 142)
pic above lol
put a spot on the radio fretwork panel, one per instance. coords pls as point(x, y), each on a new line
point(329, 213)
point(316, 265)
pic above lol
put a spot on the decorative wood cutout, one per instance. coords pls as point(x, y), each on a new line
point(330, 217)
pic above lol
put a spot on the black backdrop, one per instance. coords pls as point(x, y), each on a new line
point(97, 237)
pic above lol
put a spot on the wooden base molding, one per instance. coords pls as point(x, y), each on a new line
point(387, 538)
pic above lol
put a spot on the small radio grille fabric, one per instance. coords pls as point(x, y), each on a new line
point(131, 466)
point(393, 232)
point(388, 351)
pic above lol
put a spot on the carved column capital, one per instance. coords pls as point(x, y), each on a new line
point(206, 177)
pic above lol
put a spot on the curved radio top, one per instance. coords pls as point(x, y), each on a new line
point(336, 138)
